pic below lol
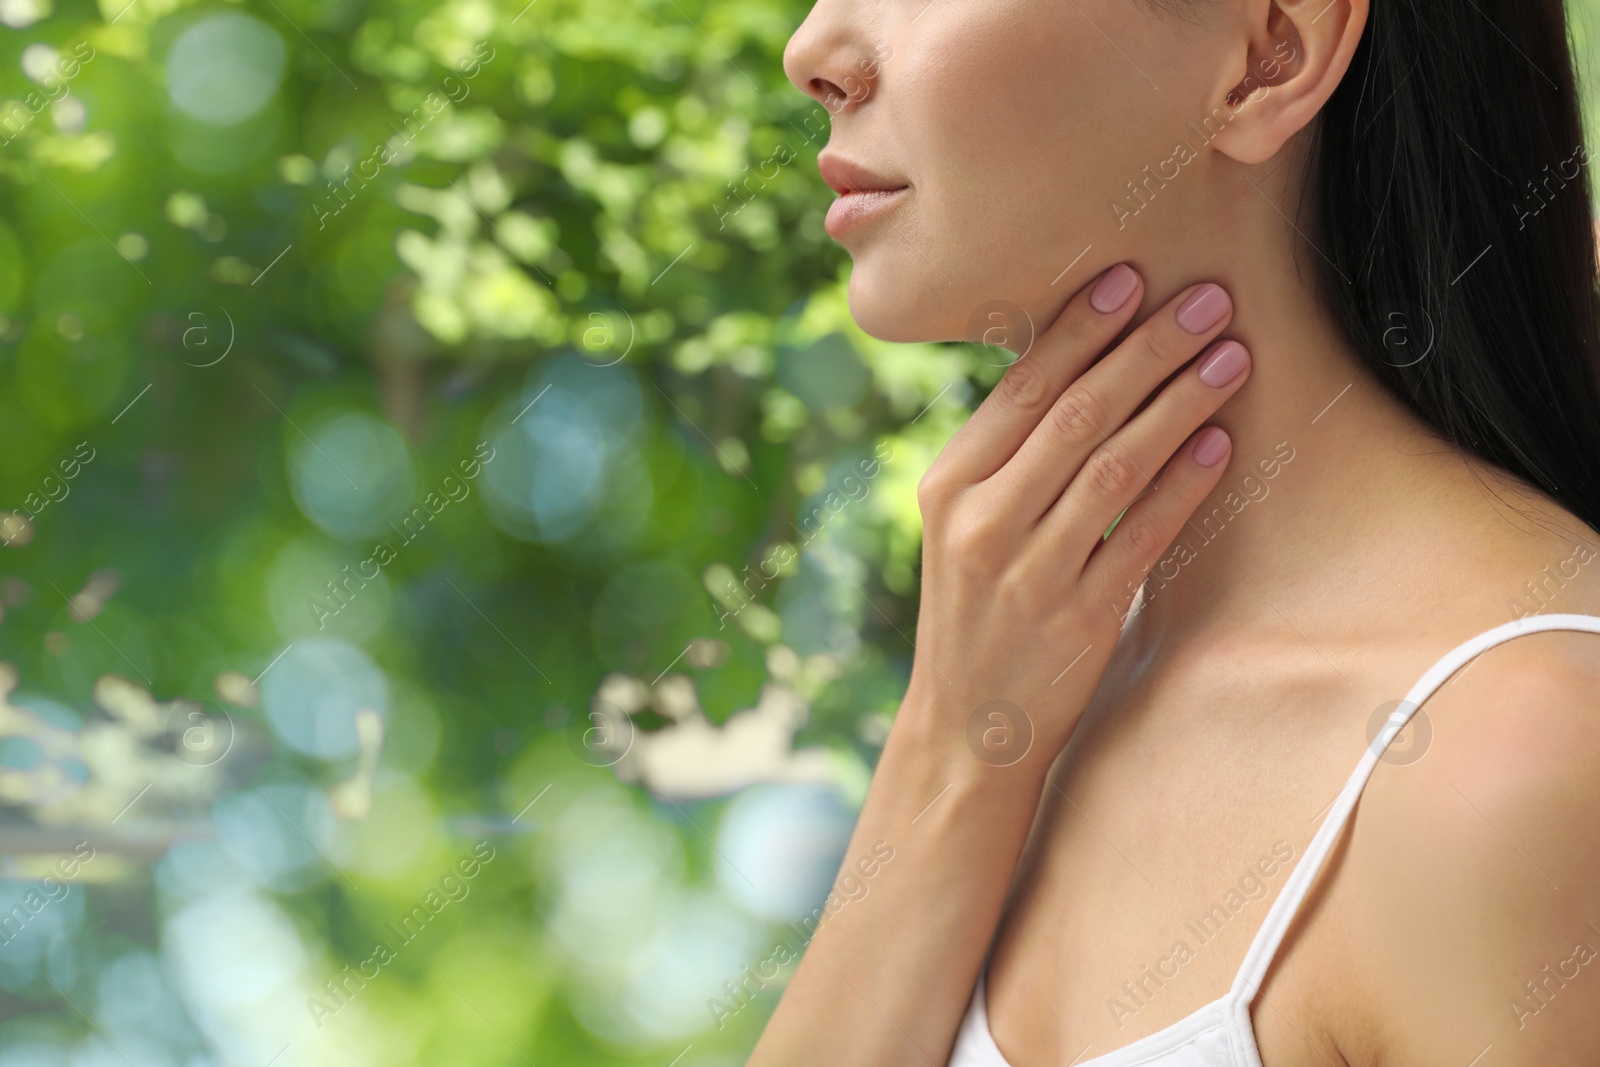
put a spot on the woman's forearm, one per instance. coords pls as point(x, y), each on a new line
point(886, 977)
point(1023, 589)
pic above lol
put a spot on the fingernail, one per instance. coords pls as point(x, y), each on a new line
point(1211, 446)
point(1204, 308)
point(1113, 289)
point(1225, 363)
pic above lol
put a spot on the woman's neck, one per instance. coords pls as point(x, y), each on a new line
point(1324, 458)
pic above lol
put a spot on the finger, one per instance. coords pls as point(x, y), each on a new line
point(1118, 567)
point(1090, 322)
point(1113, 476)
point(1099, 402)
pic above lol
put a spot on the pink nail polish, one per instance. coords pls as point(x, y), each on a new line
point(1113, 289)
point(1204, 308)
point(1211, 446)
point(1225, 363)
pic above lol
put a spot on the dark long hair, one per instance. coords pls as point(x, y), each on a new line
point(1456, 218)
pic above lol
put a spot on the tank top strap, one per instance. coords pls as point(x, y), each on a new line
point(1265, 946)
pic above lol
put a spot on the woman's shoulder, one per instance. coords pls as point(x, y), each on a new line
point(1474, 871)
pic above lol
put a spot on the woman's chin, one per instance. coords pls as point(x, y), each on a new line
point(903, 311)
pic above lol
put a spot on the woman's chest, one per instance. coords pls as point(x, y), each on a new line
point(1163, 839)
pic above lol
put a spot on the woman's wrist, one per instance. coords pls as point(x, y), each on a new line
point(935, 755)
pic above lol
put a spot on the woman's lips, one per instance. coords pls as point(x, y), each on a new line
point(856, 206)
point(863, 193)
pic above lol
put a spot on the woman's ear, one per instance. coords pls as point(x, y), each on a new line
point(1294, 55)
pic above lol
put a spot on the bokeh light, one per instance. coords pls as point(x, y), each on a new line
point(313, 692)
point(225, 68)
point(352, 476)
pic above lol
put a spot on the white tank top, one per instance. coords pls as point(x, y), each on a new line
point(1220, 1034)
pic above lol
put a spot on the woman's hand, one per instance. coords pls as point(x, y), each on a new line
point(1021, 605)
point(1022, 600)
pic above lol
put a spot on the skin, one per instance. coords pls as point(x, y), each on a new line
point(1218, 720)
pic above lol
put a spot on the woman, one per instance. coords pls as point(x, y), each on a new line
point(1351, 240)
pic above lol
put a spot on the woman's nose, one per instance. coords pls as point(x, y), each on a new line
point(829, 58)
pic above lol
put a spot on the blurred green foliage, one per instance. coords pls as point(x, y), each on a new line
point(282, 266)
